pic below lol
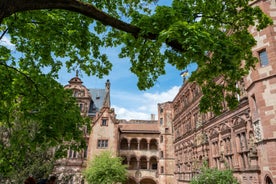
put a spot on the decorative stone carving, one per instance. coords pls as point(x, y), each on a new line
point(221, 148)
point(252, 145)
point(239, 123)
point(213, 134)
point(257, 130)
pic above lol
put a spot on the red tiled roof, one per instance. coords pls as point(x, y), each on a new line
point(140, 127)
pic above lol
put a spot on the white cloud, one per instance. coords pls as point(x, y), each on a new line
point(142, 106)
point(5, 41)
point(123, 113)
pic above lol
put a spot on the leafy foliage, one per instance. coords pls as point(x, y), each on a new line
point(213, 34)
point(214, 176)
point(36, 114)
point(49, 34)
point(105, 169)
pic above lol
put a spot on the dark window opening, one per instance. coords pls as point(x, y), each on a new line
point(162, 169)
point(104, 122)
point(263, 58)
point(161, 138)
point(102, 143)
point(154, 166)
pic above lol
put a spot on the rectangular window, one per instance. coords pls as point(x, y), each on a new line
point(102, 144)
point(263, 58)
point(162, 170)
point(161, 121)
point(104, 122)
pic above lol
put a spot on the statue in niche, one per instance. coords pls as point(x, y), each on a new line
point(228, 146)
point(242, 139)
point(251, 144)
point(199, 139)
point(204, 138)
point(221, 148)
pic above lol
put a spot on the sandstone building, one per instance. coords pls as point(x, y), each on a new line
point(144, 145)
point(243, 139)
point(171, 149)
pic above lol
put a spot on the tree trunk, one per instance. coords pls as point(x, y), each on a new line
point(9, 7)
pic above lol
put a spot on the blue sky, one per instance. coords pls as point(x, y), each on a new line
point(129, 102)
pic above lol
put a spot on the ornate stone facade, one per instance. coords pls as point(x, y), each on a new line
point(144, 145)
point(171, 150)
point(222, 141)
point(243, 139)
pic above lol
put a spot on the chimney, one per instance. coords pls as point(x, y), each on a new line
point(152, 117)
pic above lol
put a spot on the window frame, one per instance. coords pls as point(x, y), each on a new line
point(264, 61)
point(102, 143)
point(104, 122)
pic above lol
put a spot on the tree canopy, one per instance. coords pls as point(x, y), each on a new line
point(36, 115)
point(214, 176)
point(47, 34)
point(213, 34)
point(105, 169)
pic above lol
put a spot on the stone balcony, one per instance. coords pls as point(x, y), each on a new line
point(147, 153)
point(140, 173)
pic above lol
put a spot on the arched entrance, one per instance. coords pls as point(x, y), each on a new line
point(147, 181)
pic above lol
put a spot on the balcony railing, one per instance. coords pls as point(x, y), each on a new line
point(143, 173)
point(147, 153)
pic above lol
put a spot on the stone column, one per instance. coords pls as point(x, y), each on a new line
point(128, 162)
point(138, 164)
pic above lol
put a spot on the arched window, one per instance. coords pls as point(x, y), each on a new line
point(134, 144)
point(124, 144)
point(268, 180)
point(124, 160)
point(161, 154)
point(153, 144)
point(153, 163)
point(143, 144)
point(133, 163)
point(143, 163)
